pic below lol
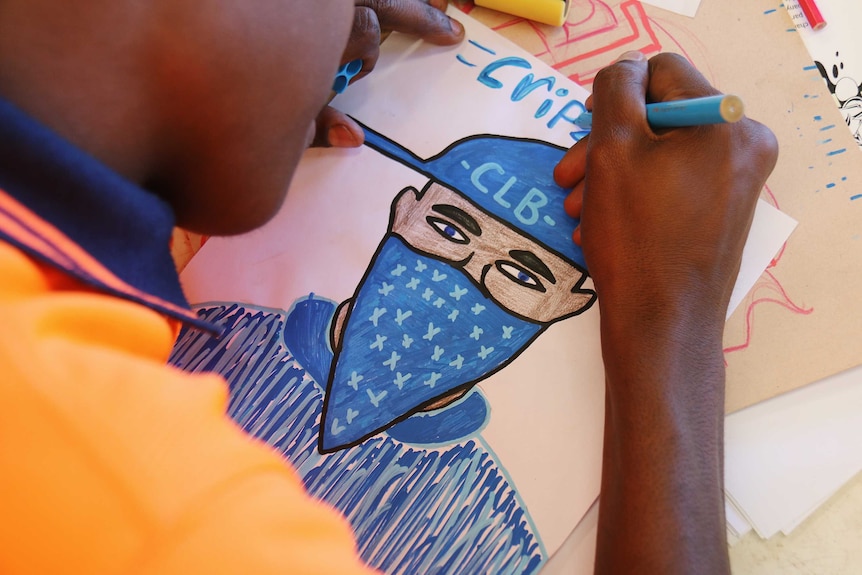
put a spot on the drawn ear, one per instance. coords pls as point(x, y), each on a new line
point(405, 200)
point(339, 319)
point(580, 300)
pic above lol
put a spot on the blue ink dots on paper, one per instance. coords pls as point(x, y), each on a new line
point(345, 74)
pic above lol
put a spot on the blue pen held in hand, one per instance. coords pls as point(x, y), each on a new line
point(723, 108)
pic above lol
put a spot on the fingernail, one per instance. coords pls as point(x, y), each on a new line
point(340, 136)
point(633, 55)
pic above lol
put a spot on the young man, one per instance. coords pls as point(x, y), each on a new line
point(117, 117)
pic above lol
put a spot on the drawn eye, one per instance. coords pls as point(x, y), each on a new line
point(448, 231)
point(520, 275)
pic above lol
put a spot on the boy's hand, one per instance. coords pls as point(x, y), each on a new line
point(664, 217)
point(664, 214)
point(373, 20)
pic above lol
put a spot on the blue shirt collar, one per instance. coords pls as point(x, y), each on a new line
point(122, 226)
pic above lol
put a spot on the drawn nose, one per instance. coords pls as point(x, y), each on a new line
point(476, 269)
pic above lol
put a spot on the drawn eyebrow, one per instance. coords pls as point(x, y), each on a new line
point(460, 216)
point(532, 261)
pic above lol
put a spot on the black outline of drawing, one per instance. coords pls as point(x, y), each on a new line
point(345, 321)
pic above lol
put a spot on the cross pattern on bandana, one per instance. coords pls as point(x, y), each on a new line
point(418, 329)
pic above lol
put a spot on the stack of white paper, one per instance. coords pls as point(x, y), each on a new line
point(786, 456)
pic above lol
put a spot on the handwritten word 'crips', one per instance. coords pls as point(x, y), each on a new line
point(506, 71)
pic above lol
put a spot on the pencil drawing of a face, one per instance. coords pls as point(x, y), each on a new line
point(453, 294)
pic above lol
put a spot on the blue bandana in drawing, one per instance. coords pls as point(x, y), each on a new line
point(472, 269)
point(418, 329)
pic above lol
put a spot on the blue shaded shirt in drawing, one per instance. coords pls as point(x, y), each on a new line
point(473, 268)
point(399, 498)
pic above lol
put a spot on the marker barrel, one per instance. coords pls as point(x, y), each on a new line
point(697, 112)
point(720, 109)
point(553, 12)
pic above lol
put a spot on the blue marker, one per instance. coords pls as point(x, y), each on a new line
point(720, 109)
point(346, 73)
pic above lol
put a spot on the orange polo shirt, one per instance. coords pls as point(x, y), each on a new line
point(110, 460)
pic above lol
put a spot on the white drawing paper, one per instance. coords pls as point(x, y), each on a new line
point(414, 329)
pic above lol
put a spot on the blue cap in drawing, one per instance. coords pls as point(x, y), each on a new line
point(511, 178)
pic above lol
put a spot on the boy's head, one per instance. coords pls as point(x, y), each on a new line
point(206, 103)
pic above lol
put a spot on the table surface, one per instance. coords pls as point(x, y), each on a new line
point(827, 542)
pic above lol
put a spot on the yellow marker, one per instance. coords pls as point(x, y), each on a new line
point(553, 12)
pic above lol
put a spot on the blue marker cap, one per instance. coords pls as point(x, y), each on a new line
point(346, 73)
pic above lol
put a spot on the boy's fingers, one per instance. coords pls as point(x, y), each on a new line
point(364, 42)
point(422, 18)
point(672, 77)
point(576, 235)
point(373, 20)
point(574, 202)
point(572, 167)
point(619, 95)
point(336, 129)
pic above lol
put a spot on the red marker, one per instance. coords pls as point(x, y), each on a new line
point(812, 13)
